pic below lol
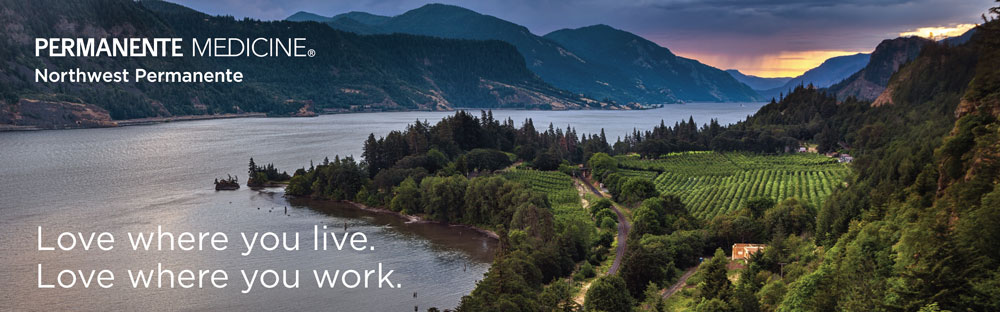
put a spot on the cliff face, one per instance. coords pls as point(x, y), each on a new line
point(937, 71)
point(983, 94)
point(868, 83)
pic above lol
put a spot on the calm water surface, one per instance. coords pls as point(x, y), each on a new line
point(132, 179)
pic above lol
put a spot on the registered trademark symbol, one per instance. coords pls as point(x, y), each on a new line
point(311, 53)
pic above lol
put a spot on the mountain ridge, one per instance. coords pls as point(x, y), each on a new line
point(831, 71)
point(869, 82)
point(303, 16)
point(759, 83)
point(349, 72)
point(653, 67)
point(561, 66)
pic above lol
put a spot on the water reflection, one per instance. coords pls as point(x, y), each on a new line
point(442, 237)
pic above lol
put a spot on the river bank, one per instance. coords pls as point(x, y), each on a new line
point(154, 120)
point(125, 122)
point(418, 219)
point(86, 116)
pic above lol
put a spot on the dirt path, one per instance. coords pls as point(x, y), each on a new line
point(623, 229)
point(582, 190)
point(512, 166)
point(580, 297)
point(680, 283)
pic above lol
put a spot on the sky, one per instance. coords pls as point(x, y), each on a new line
point(768, 38)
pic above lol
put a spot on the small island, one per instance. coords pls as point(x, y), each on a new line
point(265, 176)
point(230, 183)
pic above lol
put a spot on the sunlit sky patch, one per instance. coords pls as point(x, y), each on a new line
point(781, 64)
point(938, 32)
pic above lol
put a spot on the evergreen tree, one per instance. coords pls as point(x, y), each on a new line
point(608, 293)
point(716, 284)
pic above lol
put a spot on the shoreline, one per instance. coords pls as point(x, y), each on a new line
point(405, 217)
point(133, 122)
point(156, 120)
point(417, 219)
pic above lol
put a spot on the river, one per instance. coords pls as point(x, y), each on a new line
point(133, 179)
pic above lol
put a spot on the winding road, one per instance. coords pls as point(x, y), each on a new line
point(623, 229)
point(680, 283)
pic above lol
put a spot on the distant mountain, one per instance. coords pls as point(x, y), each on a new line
point(832, 71)
point(959, 40)
point(301, 16)
point(360, 17)
point(356, 22)
point(547, 59)
point(351, 25)
point(565, 68)
point(758, 83)
point(349, 72)
point(871, 80)
point(363, 17)
point(652, 69)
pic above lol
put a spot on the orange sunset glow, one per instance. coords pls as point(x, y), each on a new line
point(782, 64)
point(938, 32)
point(794, 63)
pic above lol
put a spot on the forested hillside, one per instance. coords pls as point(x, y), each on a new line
point(912, 227)
point(384, 72)
point(597, 61)
point(919, 217)
point(656, 72)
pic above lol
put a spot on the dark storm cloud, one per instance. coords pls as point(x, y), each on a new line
point(746, 27)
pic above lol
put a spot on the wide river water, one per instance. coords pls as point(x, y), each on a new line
point(133, 179)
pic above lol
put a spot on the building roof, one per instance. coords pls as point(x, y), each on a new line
point(743, 250)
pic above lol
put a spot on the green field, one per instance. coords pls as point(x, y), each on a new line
point(713, 183)
point(639, 173)
point(557, 186)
